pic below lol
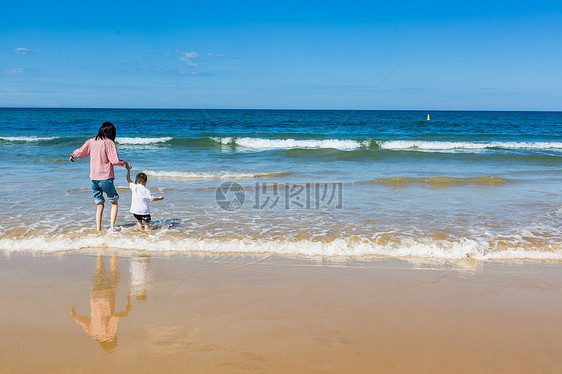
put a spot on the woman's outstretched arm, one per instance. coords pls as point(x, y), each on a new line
point(81, 152)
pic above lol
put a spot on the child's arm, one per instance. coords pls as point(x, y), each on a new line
point(128, 173)
point(158, 198)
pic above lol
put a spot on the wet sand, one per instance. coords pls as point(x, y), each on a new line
point(68, 313)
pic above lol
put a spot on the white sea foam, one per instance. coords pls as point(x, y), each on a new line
point(445, 146)
point(193, 175)
point(351, 144)
point(27, 138)
point(137, 140)
point(265, 144)
point(463, 249)
point(224, 141)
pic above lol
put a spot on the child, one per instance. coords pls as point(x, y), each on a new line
point(141, 197)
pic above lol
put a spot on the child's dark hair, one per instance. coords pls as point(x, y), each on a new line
point(107, 131)
point(141, 178)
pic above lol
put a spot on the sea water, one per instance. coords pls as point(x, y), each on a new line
point(483, 185)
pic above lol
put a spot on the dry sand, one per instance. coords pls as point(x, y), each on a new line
point(271, 314)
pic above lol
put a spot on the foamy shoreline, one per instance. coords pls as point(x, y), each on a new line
point(338, 248)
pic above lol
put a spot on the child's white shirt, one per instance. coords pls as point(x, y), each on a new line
point(141, 197)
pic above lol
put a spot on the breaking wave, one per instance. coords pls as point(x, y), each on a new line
point(262, 144)
point(265, 144)
point(26, 139)
point(448, 146)
point(160, 242)
point(354, 144)
point(194, 175)
point(138, 140)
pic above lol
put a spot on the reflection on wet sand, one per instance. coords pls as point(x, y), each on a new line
point(104, 321)
point(262, 313)
point(140, 276)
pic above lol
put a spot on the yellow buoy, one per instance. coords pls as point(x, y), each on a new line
point(428, 117)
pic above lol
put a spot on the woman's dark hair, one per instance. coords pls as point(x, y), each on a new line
point(107, 131)
point(108, 345)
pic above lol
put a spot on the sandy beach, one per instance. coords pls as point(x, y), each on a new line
point(221, 313)
point(296, 187)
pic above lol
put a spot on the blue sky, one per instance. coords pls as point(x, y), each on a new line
point(498, 55)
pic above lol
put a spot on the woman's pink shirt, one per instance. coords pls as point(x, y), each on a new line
point(103, 155)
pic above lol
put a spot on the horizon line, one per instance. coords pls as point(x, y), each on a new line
point(290, 109)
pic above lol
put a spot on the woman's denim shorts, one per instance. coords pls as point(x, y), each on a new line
point(99, 187)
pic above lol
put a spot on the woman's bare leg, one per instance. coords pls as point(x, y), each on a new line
point(99, 214)
point(114, 208)
point(99, 264)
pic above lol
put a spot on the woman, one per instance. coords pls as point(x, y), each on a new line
point(103, 155)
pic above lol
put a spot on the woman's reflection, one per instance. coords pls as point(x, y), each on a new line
point(103, 322)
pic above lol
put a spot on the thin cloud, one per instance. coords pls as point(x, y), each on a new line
point(215, 54)
point(22, 51)
point(14, 71)
point(189, 58)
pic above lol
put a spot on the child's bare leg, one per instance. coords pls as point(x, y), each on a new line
point(114, 208)
point(147, 226)
point(139, 224)
point(99, 213)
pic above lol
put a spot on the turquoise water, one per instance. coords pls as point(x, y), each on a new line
point(464, 184)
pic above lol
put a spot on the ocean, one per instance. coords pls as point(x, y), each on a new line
point(480, 185)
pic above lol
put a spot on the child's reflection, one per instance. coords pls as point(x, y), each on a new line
point(140, 277)
point(102, 326)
